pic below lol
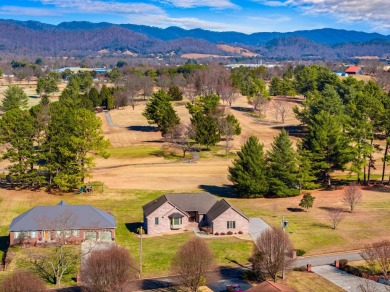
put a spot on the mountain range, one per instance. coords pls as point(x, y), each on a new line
point(85, 38)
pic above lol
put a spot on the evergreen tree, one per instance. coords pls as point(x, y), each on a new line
point(73, 135)
point(206, 129)
point(175, 93)
point(94, 97)
point(106, 97)
point(14, 98)
point(248, 173)
point(282, 167)
point(306, 177)
point(276, 86)
point(18, 136)
point(159, 111)
point(327, 144)
point(307, 201)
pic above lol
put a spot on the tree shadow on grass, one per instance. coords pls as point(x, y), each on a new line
point(133, 226)
point(152, 284)
point(295, 210)
point(242, 109)
point(321, 225)
point(224, 191)
point(4, 243)
point(331, 209)
point(295, 131)
point(142, 128)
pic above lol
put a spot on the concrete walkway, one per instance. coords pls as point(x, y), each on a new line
point(346, 281)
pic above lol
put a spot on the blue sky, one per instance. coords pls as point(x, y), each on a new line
point(219, 15)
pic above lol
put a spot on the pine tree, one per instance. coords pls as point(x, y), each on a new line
point(282, 167)
point(94, 97)
point(307, 201)
point(306, 178)
point(14, 98)
point(18, 136)
point(206, 129)
point(248, 173)
point(159, 111)
point(327, 144)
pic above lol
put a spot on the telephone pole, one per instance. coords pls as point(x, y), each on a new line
point(140, 253)
point(284, 225)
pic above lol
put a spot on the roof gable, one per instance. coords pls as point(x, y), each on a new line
point(221, 207)
point(63, 216)
point(199, 202)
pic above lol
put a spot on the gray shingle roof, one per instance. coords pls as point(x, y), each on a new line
point(219, 208)
point(62, 216)
point(152, 206)
point(200, 202)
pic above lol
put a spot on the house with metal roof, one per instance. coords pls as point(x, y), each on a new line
point(184, 211)
point(354, 70)
point(70, 223)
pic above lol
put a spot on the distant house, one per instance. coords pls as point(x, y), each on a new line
point(71, 223)
point(341, 74)
point(268, 286)
point(183, 211)
point(354, 70)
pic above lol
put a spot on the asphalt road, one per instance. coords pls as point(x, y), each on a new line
point(326, 259)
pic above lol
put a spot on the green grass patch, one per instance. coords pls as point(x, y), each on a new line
point(134, 152)
point(257, 115)
point(216, 151)
point(144, 151)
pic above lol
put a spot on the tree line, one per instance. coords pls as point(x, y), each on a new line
point(52, 144)
point(344, 122)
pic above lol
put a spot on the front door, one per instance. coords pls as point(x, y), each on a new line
point(192, 217)
point(46, 235)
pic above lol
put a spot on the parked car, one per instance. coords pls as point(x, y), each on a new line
point(234, 288)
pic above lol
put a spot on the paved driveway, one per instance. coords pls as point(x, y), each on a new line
point(326, 259)
point(346, 281)
point(256, 227)
point(220, 286)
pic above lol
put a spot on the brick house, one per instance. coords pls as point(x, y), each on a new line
point(71, 223)
point(183, 211)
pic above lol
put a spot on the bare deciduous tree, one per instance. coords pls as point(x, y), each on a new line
point(259, 103)
point(352, 196)
point(228, 94)
point(282, 109)
point(190, 92)
point(108, 270)
point(271, 252)
point(164, 81)
point(192, 261)
point(54, 264)
point(22, 281)
point(147, 84)
point(378, 254)
point(336, 216)
point(367, 286)
point(179, 81)
point(180, 135)
point(120, 98)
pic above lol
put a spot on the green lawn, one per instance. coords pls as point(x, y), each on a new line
point(308, 230)
point(126, 206)
point(134, 151)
